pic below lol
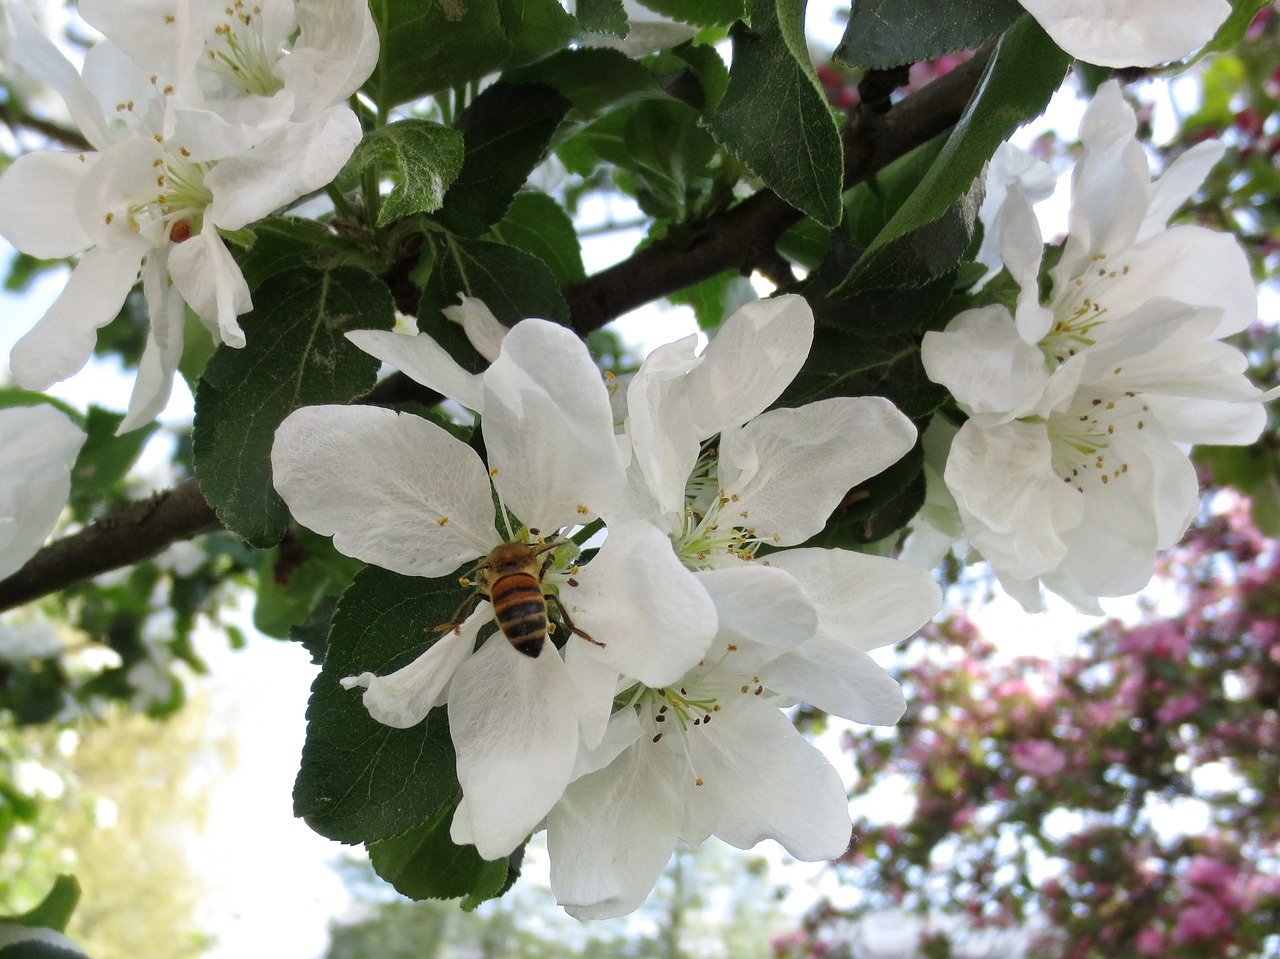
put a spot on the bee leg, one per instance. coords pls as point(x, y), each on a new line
point(466, 609)
point(568, 621)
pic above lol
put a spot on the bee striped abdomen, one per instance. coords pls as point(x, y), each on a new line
point(521, 611)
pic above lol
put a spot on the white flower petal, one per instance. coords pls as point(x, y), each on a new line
point(381, 483)
point(761, 779)
point(163, 351)
point(549, 428)
point(653, 615)
point(613, 831)
point(1015, 508)
point(293, 161)
point(764, 604)
point(31, 50)
point(483, 329)
point(209, 279)
point(425, 361)
point(1112, 552)
point(1178, 183)
point(513, 724)
point(403, 698)
point(867, 601)
point(660, 424)
point(791, 467)
point(988, 367)
point(38, 447)
point(336, 51)
point(1137, 33)
point(838, 679)
point(753, 357)
point(62, 341)
point(38, 213)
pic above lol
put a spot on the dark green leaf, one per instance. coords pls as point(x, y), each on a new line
point(870, 312)
point(593, 79)
point(103, 461)
point(709, 68)
point(774, 116)
point(889, 33)
point(54, 911)
point(296, 356)
point(604, 18)
point(314, 633)
point(432, 46)
point(362, 781)
point(512, 283)
point(538, 225)
point(424, 863)
point(506, 130)
point(425, 158)
point(1025, 70)
point(668, 153)
point(844, 365)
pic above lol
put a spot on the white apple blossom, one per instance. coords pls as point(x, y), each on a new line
point(425, 507)
point(1133, 33)
point(38, 448)
point(714, 754)
point(167, 175)
point(1071, 468)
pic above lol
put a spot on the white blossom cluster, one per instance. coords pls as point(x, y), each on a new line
point(668, 724)
point(1072, 469)
point(203, 118)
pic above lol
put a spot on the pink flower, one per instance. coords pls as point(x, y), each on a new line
point(1178, 708)
point(1150, 942)
point(1039, 758)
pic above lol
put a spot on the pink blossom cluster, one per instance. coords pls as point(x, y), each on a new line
point(1045, 789)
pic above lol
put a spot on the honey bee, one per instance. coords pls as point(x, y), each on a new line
point(511, 579)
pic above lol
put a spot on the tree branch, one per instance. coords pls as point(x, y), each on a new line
point(131, 534)
point(741, 238)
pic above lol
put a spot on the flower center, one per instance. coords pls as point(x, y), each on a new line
point(239, 54)
point(1080, 309)
point(714, 531)
point(1082, 437)
point(672, 714)
point(175, 210)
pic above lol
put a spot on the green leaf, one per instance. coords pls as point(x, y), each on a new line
point(507, 130)
point(512, 283)
point(103, 461)
point(292, 579)
point(432, 45)
point(889, 33)
point(426, 158)
point(774, 116)
point(1025, 70)
point(314, 633)
point(11, 396)
point(593, 79)
point(604, 18)
point(296, 355)
point(362, 781)
point(841, 364)
point(538, 225)
point(54, 910)
point(424, 863)
point(668, 153)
